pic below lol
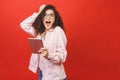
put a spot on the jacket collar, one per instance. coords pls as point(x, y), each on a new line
point(50, 30)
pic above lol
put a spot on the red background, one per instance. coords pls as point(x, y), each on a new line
point(93, 32)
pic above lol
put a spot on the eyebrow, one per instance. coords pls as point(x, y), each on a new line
point(49, 13)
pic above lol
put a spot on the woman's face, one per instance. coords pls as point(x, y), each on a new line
point(49, 19)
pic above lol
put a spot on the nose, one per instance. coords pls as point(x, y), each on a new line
point(48, 17)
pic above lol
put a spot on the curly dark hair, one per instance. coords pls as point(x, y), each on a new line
point(38, 24)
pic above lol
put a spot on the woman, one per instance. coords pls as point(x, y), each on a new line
point(48, 26)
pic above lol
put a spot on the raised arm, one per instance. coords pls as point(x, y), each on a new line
point(26, 24)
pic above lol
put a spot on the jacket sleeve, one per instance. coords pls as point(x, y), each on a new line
point(26, 24)
point(60, 54)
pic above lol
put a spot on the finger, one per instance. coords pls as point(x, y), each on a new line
point(39, 51)
point(43, 49)
point(42, 7)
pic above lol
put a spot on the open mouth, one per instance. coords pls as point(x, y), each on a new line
point(48, 23)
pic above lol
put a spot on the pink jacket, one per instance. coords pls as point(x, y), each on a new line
point(55, 42)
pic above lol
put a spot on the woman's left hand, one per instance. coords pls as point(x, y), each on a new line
point(43, 52)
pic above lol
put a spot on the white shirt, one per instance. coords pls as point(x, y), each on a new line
point(55, 42)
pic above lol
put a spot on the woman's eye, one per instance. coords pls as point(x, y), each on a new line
point(52, 15)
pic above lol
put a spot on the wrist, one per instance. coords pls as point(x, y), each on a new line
point(39, 12)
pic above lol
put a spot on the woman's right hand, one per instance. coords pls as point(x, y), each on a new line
point(41, 8)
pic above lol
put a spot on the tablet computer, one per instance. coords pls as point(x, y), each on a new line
point(35, 44)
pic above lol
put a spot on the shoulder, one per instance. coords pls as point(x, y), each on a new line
point(59, 32)
point(58, 29)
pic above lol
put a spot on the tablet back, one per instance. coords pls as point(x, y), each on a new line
point(35, 44)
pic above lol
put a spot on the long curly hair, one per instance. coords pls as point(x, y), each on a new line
point(38, 24)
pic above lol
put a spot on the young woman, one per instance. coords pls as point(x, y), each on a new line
point(48, 26)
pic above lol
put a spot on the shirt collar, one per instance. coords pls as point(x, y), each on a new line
point(50, 30)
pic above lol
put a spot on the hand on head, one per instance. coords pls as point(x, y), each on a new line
point(41, 7)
